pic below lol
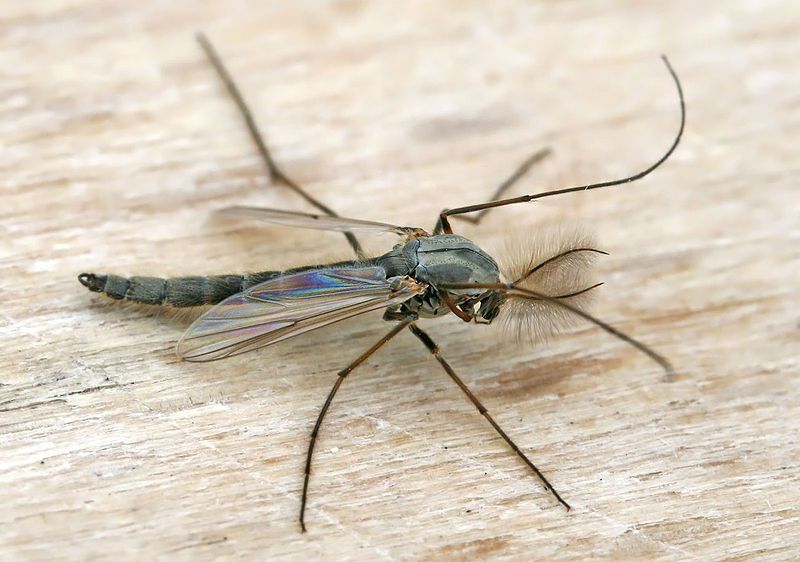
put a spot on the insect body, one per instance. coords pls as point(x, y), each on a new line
point(431, 261)
point(426, 275)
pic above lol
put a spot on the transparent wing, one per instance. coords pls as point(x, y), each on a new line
point(317, 222)
point(288, 306)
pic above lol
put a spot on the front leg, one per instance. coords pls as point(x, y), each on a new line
point(443, 224)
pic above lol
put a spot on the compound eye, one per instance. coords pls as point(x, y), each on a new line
point(491, 314)
point(490, 306)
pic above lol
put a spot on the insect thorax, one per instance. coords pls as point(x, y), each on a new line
point(441, 260)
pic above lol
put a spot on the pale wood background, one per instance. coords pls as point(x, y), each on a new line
point(118, 142)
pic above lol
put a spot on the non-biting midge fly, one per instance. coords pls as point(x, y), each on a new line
point(426, 275)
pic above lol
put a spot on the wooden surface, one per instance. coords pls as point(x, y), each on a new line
point(118, 143)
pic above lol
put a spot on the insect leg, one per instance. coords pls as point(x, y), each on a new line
point(444, 225)
point(465, 316)
point(342, 374)
point(275, 173)
point(523, 169)
point(434, 349)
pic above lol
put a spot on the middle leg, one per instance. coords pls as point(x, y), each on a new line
point(434, 349)
point(342, 374)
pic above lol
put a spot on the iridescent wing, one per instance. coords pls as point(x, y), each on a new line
point(289, 306)
point(318, 222)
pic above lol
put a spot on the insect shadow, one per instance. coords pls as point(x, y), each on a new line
point(426, 275)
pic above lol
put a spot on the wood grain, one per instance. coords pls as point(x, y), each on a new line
point(118, 143)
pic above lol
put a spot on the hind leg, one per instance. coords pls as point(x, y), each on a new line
point(275, 173)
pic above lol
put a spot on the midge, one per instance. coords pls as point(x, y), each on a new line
point(426, 275)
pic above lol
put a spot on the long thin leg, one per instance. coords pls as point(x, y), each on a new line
point(434, 349)
point(342, 374)
point(444, 225)
point(275, 173)
point(523, 169)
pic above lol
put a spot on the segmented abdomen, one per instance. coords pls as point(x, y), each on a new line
point(177, 291)
point(183, 292)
